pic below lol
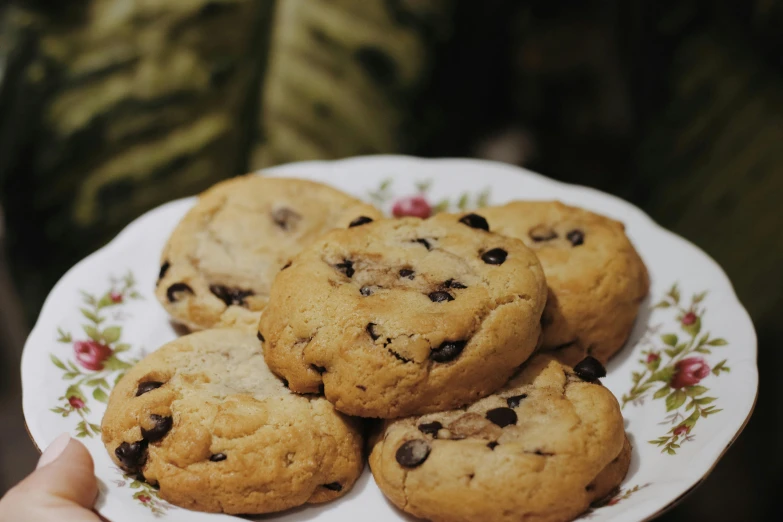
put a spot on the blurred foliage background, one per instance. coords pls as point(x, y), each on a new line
point(111, 107)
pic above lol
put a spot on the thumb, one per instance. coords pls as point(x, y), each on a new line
point(63, 487)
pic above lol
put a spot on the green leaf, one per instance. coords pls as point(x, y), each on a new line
point(698, 298)
point(718, 342)
point(662, 304)
point(695, 391)
point(424, 186)
point(720, 367)
point(105, 301)
point(670, 451)
point(135, 295)
point(63, 337)
point(135, 485)
point(665, 374)
point(675, 400)
point(89, 315)
point(113, 364)
point(385, 184)
point(92, 332)
point(661, 392)
point(122, 347)
point(703, 339)
point(57, 362)
point(100, 395)
point(669, 339)
point(67, 376)
point(462, 204)
point(74, 391)
point(483, 198)
point(441, 206)
point(100, 382)
point(705, 400)
point(88, 298)
point(703, 350)
point(691, 421)
point(674, 293)
point(112, 334)
point(95, 428)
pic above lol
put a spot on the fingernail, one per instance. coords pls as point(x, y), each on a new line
point(54, 450)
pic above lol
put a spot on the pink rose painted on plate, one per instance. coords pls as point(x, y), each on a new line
point(75, 402)
point(689, 372)
point(415, 206)
point(91, 354)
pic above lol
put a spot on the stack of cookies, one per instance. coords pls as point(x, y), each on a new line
point(465, 348)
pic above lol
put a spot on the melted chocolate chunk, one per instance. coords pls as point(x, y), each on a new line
point(371, 330)
point(334, 486)
point(163, 269)
point(475, 221)
point(576, 237)
point(492, 445)
point(217, 457)
point(260, 337)
point(440, 296)
point(285, 218)
point(431, 428)
point(423, 242)
point(542, 233)
point(407, 272)
point(319, 369)
point(346, 267)
point(590, 369)
point(514, 401)
point(177, 288)
point(148, 386)
point(413, 453)
point(285, 382)
point(502, 416)
point(231, 296)
point(454, 284)
point(161, 428)
point(448, 351)
point(133, 455)
point(496, 256)
point(365, 291)
point(287, 265)
point(361, 220)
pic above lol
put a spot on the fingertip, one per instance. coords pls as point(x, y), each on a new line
point(70, 476)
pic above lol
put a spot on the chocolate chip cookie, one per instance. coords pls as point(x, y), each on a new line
point(596, 278)
point(543, 448)
point(220, 261)
point(397, 317)
point(205, 420)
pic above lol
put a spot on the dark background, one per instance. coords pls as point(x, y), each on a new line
point(111, 107)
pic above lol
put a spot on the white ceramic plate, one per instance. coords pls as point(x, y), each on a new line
point(697, 345)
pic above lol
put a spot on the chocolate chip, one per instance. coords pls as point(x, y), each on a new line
point(407, 272)
point(287, 265)
point(371, 330)
point(514, 401)
point(321, 389)
point(541, 453)
point(502, 416)
point(346, 267)
point(177, 288)
point(285, 218)
point(217, 457)
point(132, 455)
point(492, 445)
point(365, 291)
point(448, 351)
point(496, 256)
point(161, 428)
point(363, 388)
point(454, 284)
point(542, 233)
point(423, 242)
point(440, 296)
point(148, 386)
point(430, 428)
point(319, 369)
point(231, 296)
point(334, 486)
point(576, 237)
point(413, 453)
point(361, 220)
point(475, 221)
point(590, 369)
point(285, 382)
point(260, 337)
point(163, 269)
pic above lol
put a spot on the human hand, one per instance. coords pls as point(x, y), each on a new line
point(61, 489)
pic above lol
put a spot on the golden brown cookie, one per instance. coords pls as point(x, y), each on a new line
point(596, 278)
point(543, 448)
point(219, 263)
point(205, 419)
point(405, 316)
